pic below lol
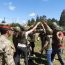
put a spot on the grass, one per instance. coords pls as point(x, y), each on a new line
point(41, 59)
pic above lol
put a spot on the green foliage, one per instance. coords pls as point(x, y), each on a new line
point(30, 22)
point(41, 19)
point(37, 18)
point(33, 21)
point(62, 18)
point(17, 24)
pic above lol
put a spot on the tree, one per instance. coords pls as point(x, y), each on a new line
point(32, 21)
point(43, 18)
point(37, 18)
point(62, 18)
point(54, 20)
point(49, 21)
point(4, 20)
point(28, 22)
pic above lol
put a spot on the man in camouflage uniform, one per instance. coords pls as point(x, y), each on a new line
point(32, 42)
point(21, 43)
point(48, 42)
point(57, 44)
point(6, 47)
point(42, 36)
point(16, 40)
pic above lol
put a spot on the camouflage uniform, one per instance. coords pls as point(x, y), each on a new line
point(19, 38)
point(43, 40)
point(57, 44)
point(48, 43)
point(32, 42)
point(6, 51)
point(19, 49)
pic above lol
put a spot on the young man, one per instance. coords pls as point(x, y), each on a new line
point(42, 35)
point(6, 46)
point(32, 42)
point(22, 44)
point(57, 44)
point(48, 42)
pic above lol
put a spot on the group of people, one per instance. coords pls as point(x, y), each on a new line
point(51, 41)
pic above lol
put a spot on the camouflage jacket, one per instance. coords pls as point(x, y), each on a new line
point(6, 45)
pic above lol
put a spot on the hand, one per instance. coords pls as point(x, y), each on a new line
point(44, 22)
point(41, 23)
point(41, 51)
point(38, 23)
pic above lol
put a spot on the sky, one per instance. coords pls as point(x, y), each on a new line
point(19, 11)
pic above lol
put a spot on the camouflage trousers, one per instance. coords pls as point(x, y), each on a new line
point(1, 59)
point(8, 59)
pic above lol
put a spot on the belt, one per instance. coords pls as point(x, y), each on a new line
point(21, 45)
point(49, 36)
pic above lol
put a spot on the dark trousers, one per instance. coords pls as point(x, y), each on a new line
point(2, 59)
point(32, 45)
point(18, 53)
point(59, 53)
point(17, 57)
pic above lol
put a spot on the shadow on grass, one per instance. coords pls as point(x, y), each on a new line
point(40, 55)
point(38, 59)
point(31, 62)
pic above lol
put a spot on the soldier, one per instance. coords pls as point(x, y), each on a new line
point(42, 35)
point(48, 42)
point(16, 40)
point(31, 37)
point(22, 44)
point(32, 42)
point(57, 43)
point(6, 47)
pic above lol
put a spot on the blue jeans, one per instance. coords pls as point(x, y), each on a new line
point(59, 52)
point(48, 54)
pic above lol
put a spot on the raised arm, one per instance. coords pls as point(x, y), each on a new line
point(43, 27)
point(30, 31)
point(48, 29)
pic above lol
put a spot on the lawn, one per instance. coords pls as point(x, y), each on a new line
point(39, 59)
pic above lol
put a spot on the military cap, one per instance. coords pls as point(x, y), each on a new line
point(17, 28)
point(26, 28)
point(56, 26)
